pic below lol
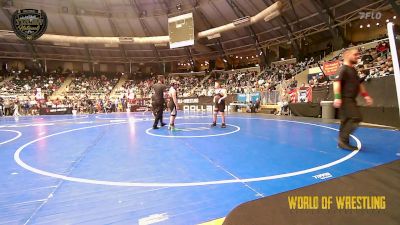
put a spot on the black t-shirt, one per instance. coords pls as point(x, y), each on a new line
point(158, 95)
point(350, 81)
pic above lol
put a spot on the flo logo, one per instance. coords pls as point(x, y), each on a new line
point(370, 15)
point(29, 24)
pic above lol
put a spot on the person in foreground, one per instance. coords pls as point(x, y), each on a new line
point(346, 88)
point(158, 101)
point(219, 104)
point(173, 104)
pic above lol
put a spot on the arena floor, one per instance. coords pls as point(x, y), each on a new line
point(113, 169)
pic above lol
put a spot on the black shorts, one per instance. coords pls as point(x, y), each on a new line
point(219, 107)
point(172, 108)
point(157, 106)
point(350, 110)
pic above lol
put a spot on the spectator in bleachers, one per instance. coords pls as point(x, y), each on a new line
point(293, 83)
point(284, 103)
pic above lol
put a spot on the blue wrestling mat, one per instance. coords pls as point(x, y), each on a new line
point(114, 169)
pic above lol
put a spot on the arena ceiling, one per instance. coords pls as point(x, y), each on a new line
point(141, 18)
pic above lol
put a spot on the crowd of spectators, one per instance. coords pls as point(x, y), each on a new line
point(374, 62)
point(15, 106)
point(90, 93)
point(81, 103)
point(244, 81)
point(25, 84)
point(93, 83)
point(142, 88)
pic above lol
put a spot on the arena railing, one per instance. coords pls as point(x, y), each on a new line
point(270, 97)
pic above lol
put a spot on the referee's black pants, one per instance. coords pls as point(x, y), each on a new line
point(158, 109)
point(350, 117)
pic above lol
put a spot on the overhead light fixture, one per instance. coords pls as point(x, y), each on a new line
point(217, 35)
point(225, 60)
point(261, 53)
point(161, 44)
point(368, 25)
point(237, 57)
point(242, 21)
point(179, 6)
point(247, 57)
point(112, 45)
point(377, 24)
point(394, 17)
point(63, 44)
point(272, 15)
point(241, 57)
point(252, 56)
point(125, 39)
point(361, 26)
point(387, 21)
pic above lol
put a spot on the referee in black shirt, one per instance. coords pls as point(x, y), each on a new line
point(346, 88)
point(158, 101)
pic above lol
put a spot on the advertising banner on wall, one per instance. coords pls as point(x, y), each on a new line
point(55, 111)
point(201, 103)
point(330, 68)
point(248, 97)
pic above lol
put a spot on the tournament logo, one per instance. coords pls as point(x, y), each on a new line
point(29, 24)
